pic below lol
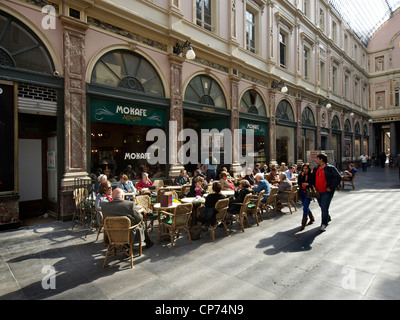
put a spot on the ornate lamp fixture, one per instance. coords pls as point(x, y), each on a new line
point(190, 54)
point(276, 85)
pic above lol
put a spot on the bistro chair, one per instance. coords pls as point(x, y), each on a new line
point(291, 201)
point(119, 233)
point(101, 224)
point(271, 202)
point(185, 189)
point(254, 208)
point(82, 208)
point(222, 207)
point(158, 184)
point(242, 214)
point(149, 216)
point(174, 221)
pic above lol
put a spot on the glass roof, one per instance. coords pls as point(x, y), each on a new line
point(364, 17)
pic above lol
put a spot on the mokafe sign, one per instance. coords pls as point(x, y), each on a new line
point(125, 113)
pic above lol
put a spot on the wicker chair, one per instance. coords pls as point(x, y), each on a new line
point(148, 216)
point(254, 208)
point(291, 199)
point(349, 180)
point(242, 214)
point(119, 233)
point(158, 184)
point(271, 202)
point(175, 221)
point(185, 189)
point(222, 207)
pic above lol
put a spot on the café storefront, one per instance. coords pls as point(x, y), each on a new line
point(126, 101)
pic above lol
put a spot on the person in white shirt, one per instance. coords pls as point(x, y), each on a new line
point(364, 159)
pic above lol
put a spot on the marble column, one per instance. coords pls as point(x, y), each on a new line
point(75, 153)
point(235, 167)
point(176, 114)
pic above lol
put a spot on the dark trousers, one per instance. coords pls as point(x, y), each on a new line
point(324, 202)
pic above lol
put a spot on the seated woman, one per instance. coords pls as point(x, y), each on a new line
point(225, 183)
point(284, 185)
point(196, 189)
point(208, 213)
point(104, 195)
point(240, 194)
point(145, 182)
point(125, 184)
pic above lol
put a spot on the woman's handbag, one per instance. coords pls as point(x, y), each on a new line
point(312, 192)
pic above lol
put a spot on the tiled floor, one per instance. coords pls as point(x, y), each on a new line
point(356, 258)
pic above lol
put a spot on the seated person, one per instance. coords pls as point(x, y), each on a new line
point(264, 168)
point(283, 167)
point(145, 182)
point(104, 195)
point(225, 183)
point(182, 179)
point(249, 177)
point(125, 184)
point(272, 177)
point(350, 173)
point(240, 194)
point(256, 169)
point(208, 213)
point(262, 184)
point(289, 173)
point(284, 185)
point(196, 189)
point(120, 207)
point(101, 178)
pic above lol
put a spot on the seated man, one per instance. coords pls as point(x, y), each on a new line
point(272, 177)
point(125, 208)
point(262, 184)
point(182, 179)
point(350, 173)
point(289, 173)
point(125, 184)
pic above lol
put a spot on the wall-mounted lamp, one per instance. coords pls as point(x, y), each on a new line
point(325, 103)
point(190, 54)
point(276, 85)
point(352, 114)
point(370, 120)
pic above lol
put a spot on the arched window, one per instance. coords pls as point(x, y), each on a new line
point(347, 126)
point(335, 123)
point(357, 128)
point(127, 70)
point(365, 130)
point(253, 103)
point(284, 111)
point(204, 90)
point(307, 117)
point(21, 48)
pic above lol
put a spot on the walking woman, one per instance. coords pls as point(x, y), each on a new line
point(305, 181)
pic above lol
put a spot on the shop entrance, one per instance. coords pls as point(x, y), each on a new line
point(37, 165)
point(198, 121)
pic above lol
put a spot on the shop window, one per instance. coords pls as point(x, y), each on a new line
point(21, 48)
point(253, 103)
point(284, 111)
point(205, 91)
point(127, 70)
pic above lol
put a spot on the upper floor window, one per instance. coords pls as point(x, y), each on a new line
point(307, 62)
point(250, 31)
point(334, 79)
point(334, 31)
point(283, 49)
point(322, 20)
point(284, 111)
point(397, 97)
point(306, 8)
point(21, 48)
point(204, 14)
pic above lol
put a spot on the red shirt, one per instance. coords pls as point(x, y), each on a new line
point(143, 184)
point(320, 181)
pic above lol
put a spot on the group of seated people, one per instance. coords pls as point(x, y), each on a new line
point(109, 201)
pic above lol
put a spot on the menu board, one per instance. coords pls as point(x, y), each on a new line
point(7, 138)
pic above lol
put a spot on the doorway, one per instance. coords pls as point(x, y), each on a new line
point(37, 165)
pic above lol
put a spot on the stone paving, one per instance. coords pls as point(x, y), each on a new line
point(357, 257)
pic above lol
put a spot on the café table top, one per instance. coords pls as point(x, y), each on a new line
point(193, 200)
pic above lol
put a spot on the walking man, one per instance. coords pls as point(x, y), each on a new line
point(327, 179)
point(364, 161)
